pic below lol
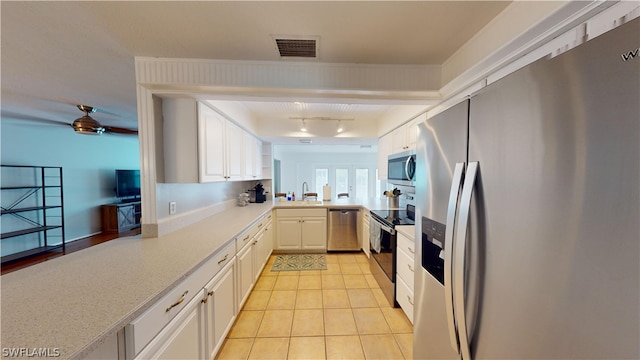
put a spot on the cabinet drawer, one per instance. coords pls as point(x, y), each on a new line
point(141, 330)
point(301, 212)
point(404, 297)
point(247, 236)
point(405, 269)
point(407, 245)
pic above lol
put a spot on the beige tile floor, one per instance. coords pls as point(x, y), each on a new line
point(338, 313)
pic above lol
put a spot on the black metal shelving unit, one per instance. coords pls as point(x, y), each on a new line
point(32, 210)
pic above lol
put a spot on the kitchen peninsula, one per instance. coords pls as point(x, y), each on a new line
point(77, 302)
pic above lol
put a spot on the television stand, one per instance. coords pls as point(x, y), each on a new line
point(130, 200)
point(121, 216)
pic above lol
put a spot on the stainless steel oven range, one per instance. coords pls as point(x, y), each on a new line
point(383, 241)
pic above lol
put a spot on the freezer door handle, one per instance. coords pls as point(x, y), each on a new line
point(452, 210)
point(459, 259)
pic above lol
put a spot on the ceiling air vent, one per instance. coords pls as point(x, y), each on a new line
point(295, 47)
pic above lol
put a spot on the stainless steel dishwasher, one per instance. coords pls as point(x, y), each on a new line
point(343, 230)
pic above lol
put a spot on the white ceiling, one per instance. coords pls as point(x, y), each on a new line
point(59, 54)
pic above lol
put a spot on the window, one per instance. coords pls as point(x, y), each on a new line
point(322, 179)
point(342, 181)
point(362, 183)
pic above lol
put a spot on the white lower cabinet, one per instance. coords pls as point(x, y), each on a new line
point(192, 319)
point(252, 255)
point(301, 229)
point(365, 233)
point(219, 308)
point(182, 338)
point(245, 273)
point(405, 274)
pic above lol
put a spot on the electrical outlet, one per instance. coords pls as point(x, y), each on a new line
point(172, 208)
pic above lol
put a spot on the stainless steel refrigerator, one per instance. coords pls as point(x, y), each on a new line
point(527, 218)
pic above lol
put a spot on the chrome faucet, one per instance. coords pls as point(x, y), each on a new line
point(304, 193)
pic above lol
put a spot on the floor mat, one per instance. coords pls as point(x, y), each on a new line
point(296, 262)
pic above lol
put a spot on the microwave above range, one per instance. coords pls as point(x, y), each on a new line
point(401, 168)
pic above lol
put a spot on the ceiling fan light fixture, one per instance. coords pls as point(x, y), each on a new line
point(86, 124)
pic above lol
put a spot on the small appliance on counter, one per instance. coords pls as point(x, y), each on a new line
point(256, 195)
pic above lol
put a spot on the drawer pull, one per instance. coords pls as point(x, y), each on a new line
point(411, 250)
point(246, 238)
point(409, 299)
point(259, 225)
point(177, 302)
point(224, 259)
point(206, 298)
point(410, 268)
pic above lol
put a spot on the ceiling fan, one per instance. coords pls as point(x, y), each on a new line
point(88, 125)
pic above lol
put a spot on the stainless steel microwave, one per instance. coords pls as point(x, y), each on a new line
point(401, 168)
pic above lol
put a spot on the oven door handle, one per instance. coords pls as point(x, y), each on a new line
point(384, 227)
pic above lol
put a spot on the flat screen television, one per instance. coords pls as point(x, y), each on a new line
point(127, 184)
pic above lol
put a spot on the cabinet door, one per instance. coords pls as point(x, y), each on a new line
point(399, 139)
point(267, 240)
point(235, 151)
point(314, 232)
point(182, 338)
point(259, 256)
point(220, 308)
point(249, 153)
point(257, 159)
point(412, 133)
point(211, 147)
point(126, 217)
point(245, 273)
point(365, 235)
point(289, 233)
point(384, 149)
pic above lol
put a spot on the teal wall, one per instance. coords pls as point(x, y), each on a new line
point(88, 163)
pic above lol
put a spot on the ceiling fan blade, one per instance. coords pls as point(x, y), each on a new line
point(34, 119)
point(119, 130)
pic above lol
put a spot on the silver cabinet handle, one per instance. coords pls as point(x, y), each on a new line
point(461, 247)
point(224, 259)
point(411, 250)
point(410, 268)
point(178, 302)
point(452, 210)
point(410, 301)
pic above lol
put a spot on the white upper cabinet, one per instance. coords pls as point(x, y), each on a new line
point(252, 157)
point(234, 143)
point(384, 149)
point(211, 145)
point(404, 138)
point(200, 145)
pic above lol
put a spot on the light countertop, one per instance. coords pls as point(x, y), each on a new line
point(74, 302)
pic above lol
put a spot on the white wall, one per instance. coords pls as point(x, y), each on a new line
point(88, 163)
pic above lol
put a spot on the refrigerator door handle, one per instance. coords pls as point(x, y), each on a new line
point(459, 258)
point(452, 209)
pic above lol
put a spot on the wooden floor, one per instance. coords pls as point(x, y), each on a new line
point(69, 248)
